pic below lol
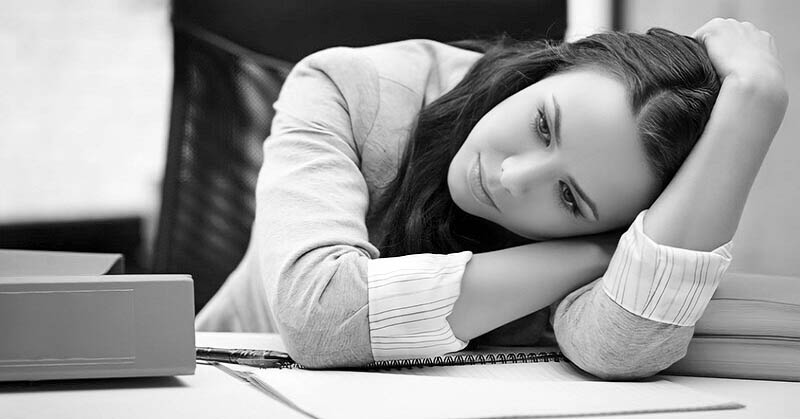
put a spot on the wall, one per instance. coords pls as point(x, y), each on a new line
point(768, 238)
point(84, 102)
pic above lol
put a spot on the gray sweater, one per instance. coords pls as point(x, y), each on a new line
point(342, 120)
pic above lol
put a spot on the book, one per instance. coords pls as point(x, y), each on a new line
point(761, 358)
point(736, 317)
point(484, 383)
point(753, 305)
point(750, 329)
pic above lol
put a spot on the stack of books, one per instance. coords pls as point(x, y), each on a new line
point(750, 329)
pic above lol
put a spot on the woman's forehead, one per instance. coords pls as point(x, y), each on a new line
point(591, 90)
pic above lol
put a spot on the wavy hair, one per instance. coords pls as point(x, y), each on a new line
point(671, 84)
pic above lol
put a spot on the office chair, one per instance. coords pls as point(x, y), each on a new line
point(230, 59)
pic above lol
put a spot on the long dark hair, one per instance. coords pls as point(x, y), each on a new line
point(672, 88)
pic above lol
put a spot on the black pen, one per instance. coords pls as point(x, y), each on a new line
point(249, 357)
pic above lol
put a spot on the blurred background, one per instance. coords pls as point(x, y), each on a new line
point(84, 104)
point(85, 97)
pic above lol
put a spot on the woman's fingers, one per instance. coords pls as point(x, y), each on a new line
point(771, 41)
point(707, 27)
point(739, 48)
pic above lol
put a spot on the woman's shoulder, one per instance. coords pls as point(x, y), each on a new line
point(424, 66)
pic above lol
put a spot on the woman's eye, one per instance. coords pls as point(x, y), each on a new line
point(568, 199)
point(542, 128)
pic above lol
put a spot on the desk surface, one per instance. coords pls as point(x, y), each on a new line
point(211, 393)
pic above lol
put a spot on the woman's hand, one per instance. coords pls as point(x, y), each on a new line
point(742, 51)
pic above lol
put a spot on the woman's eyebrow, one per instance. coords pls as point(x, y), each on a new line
point(557, 136)
point(556, 120)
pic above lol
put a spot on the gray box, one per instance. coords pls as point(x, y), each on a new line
point(93, 326)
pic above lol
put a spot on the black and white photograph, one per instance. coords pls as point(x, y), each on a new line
point(399, 209)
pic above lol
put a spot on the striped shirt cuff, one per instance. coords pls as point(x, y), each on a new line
point(663, 283)
point(410, 298)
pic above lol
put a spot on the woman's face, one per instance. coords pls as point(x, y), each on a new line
point(559, 158)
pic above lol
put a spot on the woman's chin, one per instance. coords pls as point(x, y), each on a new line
point(533, 236)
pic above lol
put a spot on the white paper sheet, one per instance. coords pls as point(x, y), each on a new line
point(340, 394)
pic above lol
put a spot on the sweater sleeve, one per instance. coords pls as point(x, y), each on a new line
point(639, 317)
point(321, 274)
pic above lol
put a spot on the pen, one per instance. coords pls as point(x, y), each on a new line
point(250, 357)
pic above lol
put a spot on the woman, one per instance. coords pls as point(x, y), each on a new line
point(494, 185)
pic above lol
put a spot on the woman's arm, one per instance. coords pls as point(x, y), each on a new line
point(701, 207)
point(501, 286)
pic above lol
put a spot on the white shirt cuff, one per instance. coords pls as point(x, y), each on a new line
point(663, 283)
point(410, 298)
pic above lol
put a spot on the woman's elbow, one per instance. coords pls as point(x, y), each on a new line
point(302, 333)
point(621, 370)
point(298, 338)
point(627, 364)
point(323, 337)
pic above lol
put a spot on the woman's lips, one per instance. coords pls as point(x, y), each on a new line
point(476, 186)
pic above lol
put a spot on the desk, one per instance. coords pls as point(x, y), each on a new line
point(210, 393)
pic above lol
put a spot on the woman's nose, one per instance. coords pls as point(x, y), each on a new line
point(523, 173)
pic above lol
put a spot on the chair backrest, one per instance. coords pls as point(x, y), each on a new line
point(230, 60)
